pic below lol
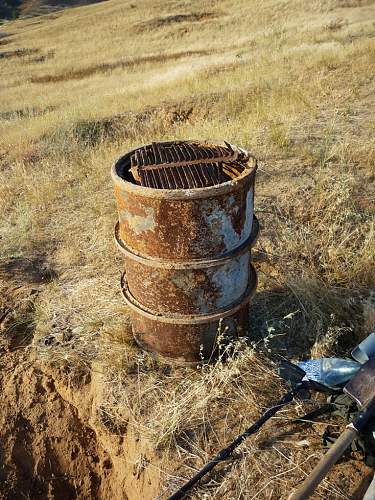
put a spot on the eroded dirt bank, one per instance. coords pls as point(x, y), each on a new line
point(52, 445)
point(55, 444)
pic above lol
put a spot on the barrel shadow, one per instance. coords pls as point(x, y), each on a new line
point(285, 324)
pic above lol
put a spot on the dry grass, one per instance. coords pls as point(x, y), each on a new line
point(297, 90)
point(77, 74)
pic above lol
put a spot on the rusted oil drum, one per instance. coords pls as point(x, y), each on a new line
point(187, 259)
point(199, 286)
point(184, 224)
point(188, 339)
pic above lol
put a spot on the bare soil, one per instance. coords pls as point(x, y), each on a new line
point(46, 450)
point(54, 442)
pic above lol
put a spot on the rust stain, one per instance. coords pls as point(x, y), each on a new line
point(187, 251)
point(120, 201)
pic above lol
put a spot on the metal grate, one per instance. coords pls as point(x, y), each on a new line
point(186, 164)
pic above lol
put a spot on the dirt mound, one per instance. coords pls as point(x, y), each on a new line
point(55, 445)
point(46, 451)
point(55, 442)
point(49, 450)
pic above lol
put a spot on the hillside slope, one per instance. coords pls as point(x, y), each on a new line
point(85, 412)
point(11, 9)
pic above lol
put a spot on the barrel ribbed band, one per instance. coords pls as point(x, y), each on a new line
point(190, 319)
point(190, 264)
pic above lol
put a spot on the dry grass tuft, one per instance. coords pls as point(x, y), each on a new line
point(331, 237)
point(297, 90)
point(78, 74)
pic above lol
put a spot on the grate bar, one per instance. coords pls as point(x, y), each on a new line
point(183, 165)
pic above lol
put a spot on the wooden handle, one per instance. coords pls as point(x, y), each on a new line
point(324, 465)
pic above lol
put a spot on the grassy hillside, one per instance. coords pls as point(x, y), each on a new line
point(11, 9)
point(293, 82)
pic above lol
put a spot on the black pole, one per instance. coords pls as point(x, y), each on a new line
point(224, 454)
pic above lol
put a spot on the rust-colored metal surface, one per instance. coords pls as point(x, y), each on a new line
point(186, 164)
point(361, 387)
point(189, 287)
point(186, 226)
point(186, 339)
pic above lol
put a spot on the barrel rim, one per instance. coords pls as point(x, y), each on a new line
point(190, 319)
point(184, 194)
point(192, 263)
point(169, 360)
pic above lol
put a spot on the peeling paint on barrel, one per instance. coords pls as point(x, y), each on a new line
point(231, 280)
point(187, 260)
point(188, 339)
point(189, 286)
point(193, 287)
point(221, 221)
point(140, 224)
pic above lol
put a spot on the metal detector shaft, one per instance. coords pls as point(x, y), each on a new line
point(224, 454)
point(333, 455)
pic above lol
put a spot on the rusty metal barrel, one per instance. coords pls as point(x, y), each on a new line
point(186, 227)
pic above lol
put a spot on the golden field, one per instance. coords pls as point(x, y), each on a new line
point(291, 81)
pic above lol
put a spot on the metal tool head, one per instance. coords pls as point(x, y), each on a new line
point(294, 375)
point(361, 387)
point(365, 350)
point(290, 372)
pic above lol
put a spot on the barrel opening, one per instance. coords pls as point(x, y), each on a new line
point(123, 169)
point(183, 164)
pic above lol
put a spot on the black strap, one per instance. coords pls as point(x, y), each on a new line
point(327, 408)
point(224, 454)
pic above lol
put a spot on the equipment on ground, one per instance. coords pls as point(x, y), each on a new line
point(361, 388)
point(293, 375)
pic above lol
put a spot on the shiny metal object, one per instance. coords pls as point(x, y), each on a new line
point(365, 350)
point(331, 372)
